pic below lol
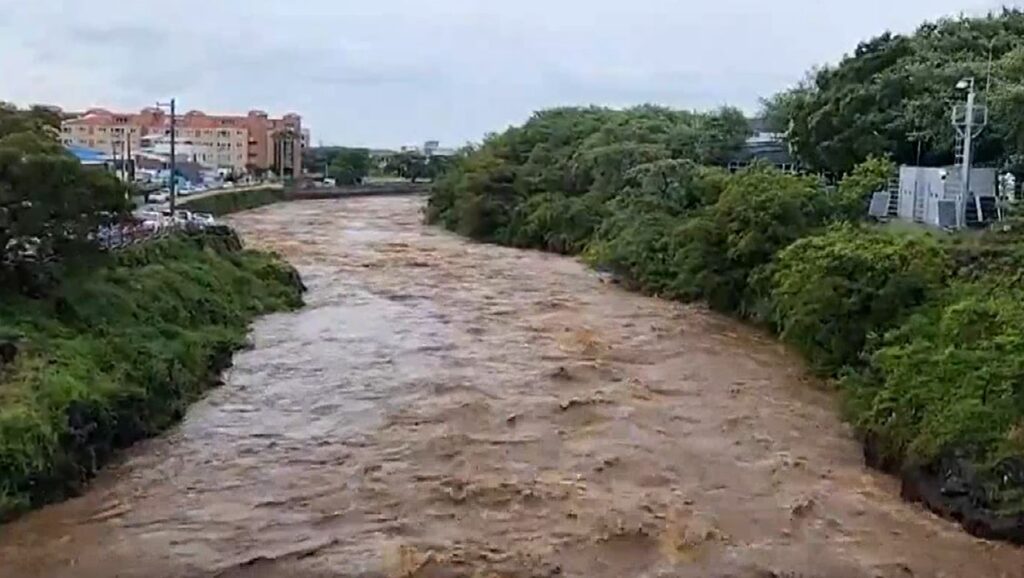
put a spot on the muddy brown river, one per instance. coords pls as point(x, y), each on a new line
point(446, 409)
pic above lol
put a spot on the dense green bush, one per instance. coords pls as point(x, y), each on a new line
point(118, 351)
point(831, 292)
point(759, 213)
point(949, 380)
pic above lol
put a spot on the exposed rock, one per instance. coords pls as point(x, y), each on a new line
point(8, 351)
point(953, 489)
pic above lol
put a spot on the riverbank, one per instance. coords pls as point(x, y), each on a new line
point(117, 349)
point(919, 333)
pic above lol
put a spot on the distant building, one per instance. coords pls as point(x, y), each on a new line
point(431, 148)
point(238, 143)
point(88, 156)
point(764, 146)
point(934, 196)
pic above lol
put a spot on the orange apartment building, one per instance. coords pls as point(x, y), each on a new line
point(240, 143)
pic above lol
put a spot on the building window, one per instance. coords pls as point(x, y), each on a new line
point(65, 129)
point(103, 129)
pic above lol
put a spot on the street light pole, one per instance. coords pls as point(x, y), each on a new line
point(965, 169)
point(968, 129)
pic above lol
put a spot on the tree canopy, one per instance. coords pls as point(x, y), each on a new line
point(345, 164)
point(49, 202)
point(894, 95)
point(349, 166)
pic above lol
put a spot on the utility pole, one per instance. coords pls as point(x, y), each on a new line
point(173, 168)
point(174, 161)
point(131, 159)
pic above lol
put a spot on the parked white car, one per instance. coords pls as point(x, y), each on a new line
point(179, 218)
point(203, 219)
point(159, 197)
point(150, 220)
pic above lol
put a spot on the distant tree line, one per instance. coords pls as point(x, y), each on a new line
point(349, 166)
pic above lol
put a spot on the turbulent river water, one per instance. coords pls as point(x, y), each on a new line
point(442, 409)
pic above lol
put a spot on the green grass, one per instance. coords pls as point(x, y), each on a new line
point(117, 351)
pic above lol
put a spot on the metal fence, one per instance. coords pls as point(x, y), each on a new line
point(119, 237)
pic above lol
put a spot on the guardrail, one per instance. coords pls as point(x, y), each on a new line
point(123, 236)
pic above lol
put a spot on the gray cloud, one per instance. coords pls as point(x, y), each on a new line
point(401, 71)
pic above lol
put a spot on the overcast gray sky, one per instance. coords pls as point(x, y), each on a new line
point(390, 72)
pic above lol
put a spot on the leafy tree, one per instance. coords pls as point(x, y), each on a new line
point(438, 165)
point(571, 152)
point(349, 166)
point(760, 212)
point(853, 197)
point(409, 165)
point(37, 119)
point(50, 205)
point(1007, 104)
point(895, 92)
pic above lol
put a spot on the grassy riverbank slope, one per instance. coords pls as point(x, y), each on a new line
point(922, 335)
point(116, 350)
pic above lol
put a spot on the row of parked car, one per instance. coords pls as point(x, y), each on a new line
point(163, 195)
point(158, 220)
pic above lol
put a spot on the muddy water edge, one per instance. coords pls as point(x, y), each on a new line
point(442, 408)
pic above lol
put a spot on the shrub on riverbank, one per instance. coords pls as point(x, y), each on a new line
point(833, 291)
point(234, 201)
point(118, 350)
point(912, 324)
